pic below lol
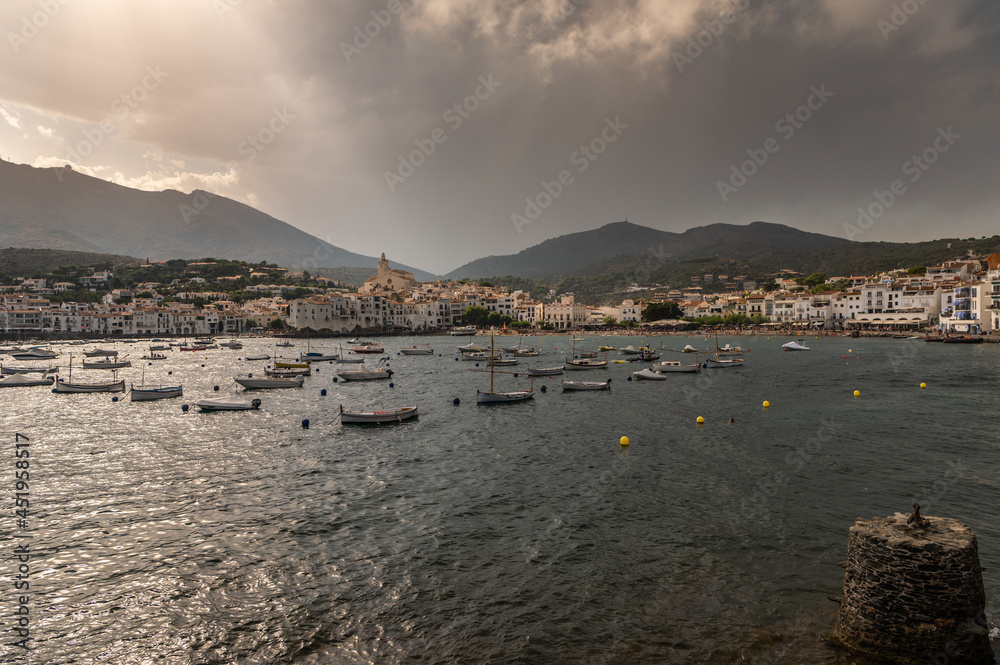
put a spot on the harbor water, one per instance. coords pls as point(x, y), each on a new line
point(510, 534)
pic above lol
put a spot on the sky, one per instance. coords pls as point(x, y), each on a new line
point(440, 131)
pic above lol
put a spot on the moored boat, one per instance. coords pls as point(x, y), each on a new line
point(586, 385)
point(544, 371)
point(145, 394)
point(586, 363)
point(648, 375)
point(107, 363)
point(364, 374)
point(98, 353)
point(19, 380)
point(794, 346)
point(675, 366)
point(35, 354)
point(227, 404)
point(28, 370)
point(462, 331)
point(63, 386)
point(417, 350)
point(382, 416)
point(270, 382)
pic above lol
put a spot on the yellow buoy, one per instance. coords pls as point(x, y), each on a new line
point(767, 405)
point(857, 393)
point(624, 441)
point(923, 385)
point(701, 421)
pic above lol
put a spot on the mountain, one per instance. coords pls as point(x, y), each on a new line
point(577, 251)
point(58, 208)
point(22, 262)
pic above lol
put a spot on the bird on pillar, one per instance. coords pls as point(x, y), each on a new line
point(916, 520)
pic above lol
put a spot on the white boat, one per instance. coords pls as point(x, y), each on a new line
point(107, 363)
point(369, 348)
point(483, 356)
point(460, 331)
point(365, 374)
point(96, 353)
point(648, 375)
point(35, 354)
point(259, 356)
point(231, 344)
point(28, 370)
point(586, 363)
point(270, 382)
point(18, 380)
point(544, 371)
point(629, 351)
point(530, 351)
point(723, 363)
point(354, 361)
point(794, 346)
point(227, 404)
point(287, 373)
point(148, 394)
point(586, 385)
point(470, 348)
point(674, 366)
point(504, 362)
point(689, 349)
point(154, 356)
point(284, 344)
point(63, 386)
point(385, 416)
point(417, 350)
point(160, 347)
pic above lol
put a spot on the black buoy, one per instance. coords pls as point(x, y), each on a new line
point(215, 388)
point(305, 424)
point(455, 401)
point(203, 364)
point(249, 376)
point(477, 364)
point(323, 392)
point(115, 398)
point(334, 379)
point(184, 407)
point(515, 375)
point(149, 363)
point(543, 389)
point(170, 372)
point(629, 378)
point(392, 385)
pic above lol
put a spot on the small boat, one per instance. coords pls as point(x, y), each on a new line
point(18, 380)
point(530, 351)
point(364, 374)
point(794, 346)
point(287, 373)
point(462, 331)
point(160, 347)
point(587, 354)
point(154, 356)
point(353, 341)
point(316, 357)
point(259, 356)
point(689, 349)
point(723, 363)
point(544, 371)
point(272, 382)
point(948, 339)
point(63, 386)
point(605, 347)
point(645, 355)
point(385, 416)
point(97, 353)
point(586, 363)
point(675, 366)
point(35, 354)
point(471, 348)
point(504, 362)
point(369, 348)
point(629, 351)
point(355, 361)
point(227, 404)
point(493, 397)
point(415, 350)
point(284, 365)
point(191, 348)
point(107, 363)
point(28, 370)
point(231, 344)
point(480, 356)
point(586, 385)
point(648, 375)
point(284, 344)
point(149, 394)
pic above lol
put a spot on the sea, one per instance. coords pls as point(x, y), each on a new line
point(512, 534)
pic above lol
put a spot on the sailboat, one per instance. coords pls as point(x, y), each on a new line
point(144, 394)
point(493, 397)
point(64, 386)
point(585, 363)
point(718, 362)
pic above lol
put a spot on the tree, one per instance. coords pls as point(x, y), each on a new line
point(493, 319)
point(486, 283)
point(276, 324)
point(475, 316)
point(663, 310)
point(610, 321)
point(917, 270)
point(814, 279)
point(506, 320)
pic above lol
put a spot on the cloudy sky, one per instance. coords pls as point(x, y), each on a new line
point(440, 131)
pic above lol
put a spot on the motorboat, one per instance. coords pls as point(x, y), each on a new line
point(586, 385)
point(259, 356)
point(316, 357)
point(383, 416)
point(675, 366)
point(794, 346)
point(270, 382)
point(648, 375)
point(369, 348)
point(689, 349)
point(98, 353)
point(483, 356)
point(19, 380)
point(629, 351)
point(28, 370)
point(586, 363)
point(470, 348)
point(35, 354)
point(464, 331)
point(227, 404)
point(287, 373)
point(417, 350)
point(231, 344)
point(145, 394)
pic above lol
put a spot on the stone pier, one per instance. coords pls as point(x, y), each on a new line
point(914, 595)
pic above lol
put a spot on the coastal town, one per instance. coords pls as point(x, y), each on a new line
point(961, 296)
